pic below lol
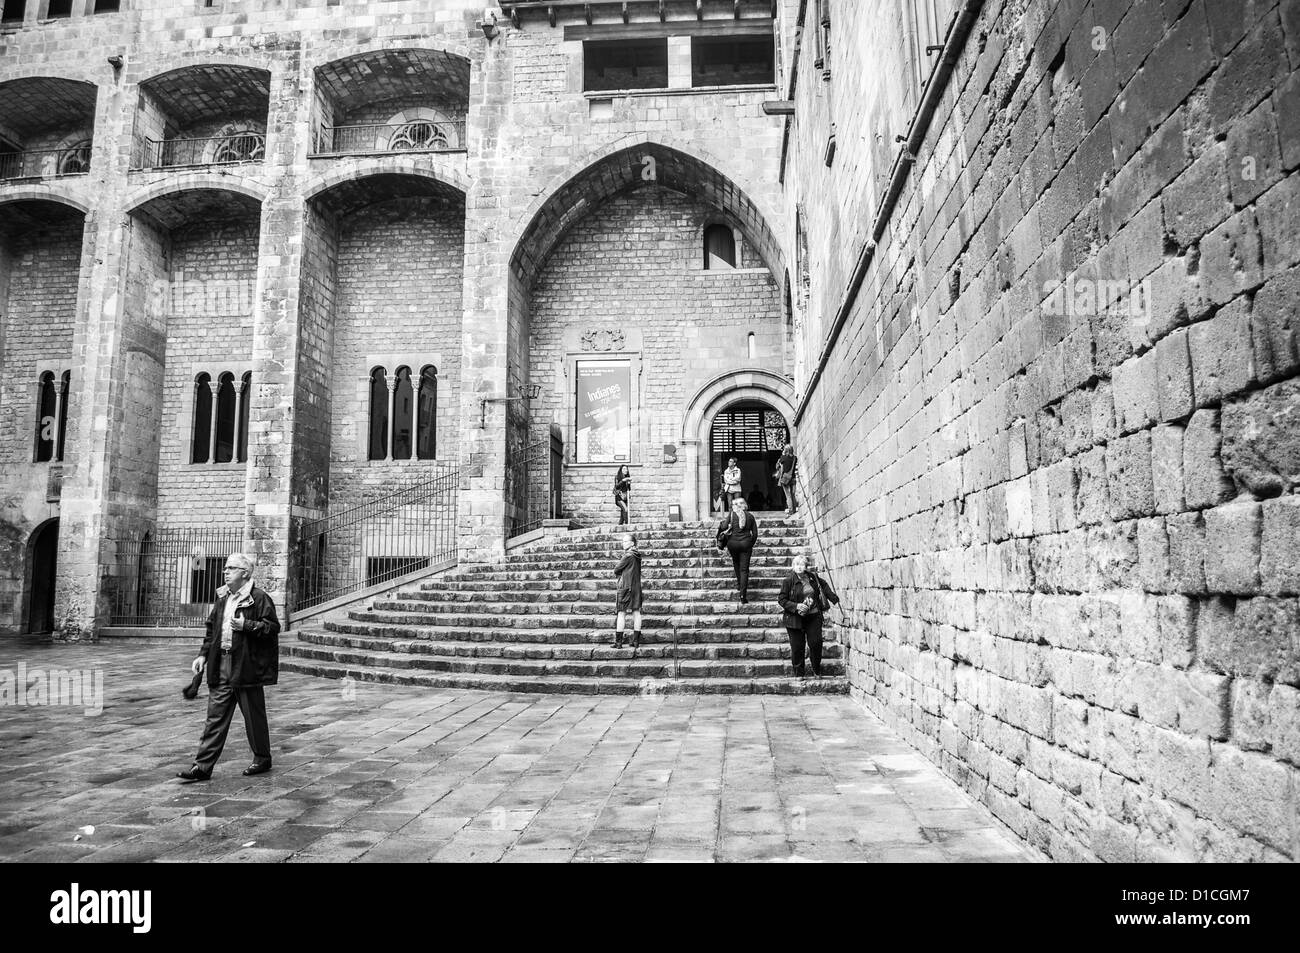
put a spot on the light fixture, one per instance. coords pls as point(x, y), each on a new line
point(489, 24)
point(531, 392)
point(115, 61)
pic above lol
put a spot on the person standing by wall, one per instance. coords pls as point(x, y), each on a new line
point(731, 478)
point(738, 534)
point(241, 653)
point(785, 468)
point(623, 493)
point(803, 598)
point(628, 572)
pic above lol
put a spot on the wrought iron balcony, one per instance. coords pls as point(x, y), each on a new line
point(41, 163)
point(211, 150)
point(417, 135)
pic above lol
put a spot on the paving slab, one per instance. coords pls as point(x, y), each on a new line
point(379, 773)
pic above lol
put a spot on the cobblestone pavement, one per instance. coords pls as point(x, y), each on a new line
point(386, 773)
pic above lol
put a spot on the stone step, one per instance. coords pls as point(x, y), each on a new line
point(595, 651)
point(614, 545)
point(603, 685)
point(709, 623)
point(536, 635)
point(626, 663)
point(685, 527)
point(601, 595)
point(509, 576)
point(442, 589)
point(754, 610)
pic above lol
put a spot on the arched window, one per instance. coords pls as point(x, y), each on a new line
point(245, 398)
point(378, 414)
point(201, 445)
point(65, 385)
point(753, 345)
point(427, 404)
point(719, 247)
point(47, 418)
point(227, 414)
point(418, 136)
point(403, 415)
point(75, 159)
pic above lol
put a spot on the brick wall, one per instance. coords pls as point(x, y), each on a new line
point(636, 264)
point(1069, 536)
point(398, 294)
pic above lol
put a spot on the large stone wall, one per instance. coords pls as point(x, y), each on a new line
point(610, 272)
point(1068, 533)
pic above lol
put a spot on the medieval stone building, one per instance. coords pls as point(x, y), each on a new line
point(1019, 277)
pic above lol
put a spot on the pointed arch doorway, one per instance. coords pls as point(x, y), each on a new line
point(42, 564)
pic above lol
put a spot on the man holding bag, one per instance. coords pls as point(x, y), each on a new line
point(241, 654)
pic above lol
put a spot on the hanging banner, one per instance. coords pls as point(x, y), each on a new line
point(604, 411)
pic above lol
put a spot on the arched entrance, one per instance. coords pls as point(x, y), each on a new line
point(738, 403)
point(753, 433)
point(42, 556)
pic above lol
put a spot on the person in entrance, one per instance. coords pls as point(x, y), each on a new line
point(738, 534)
point(241, 654)
point(628, 572)
point(622, 493)
point(731, 478)
point(803, 598)
point(785, 475)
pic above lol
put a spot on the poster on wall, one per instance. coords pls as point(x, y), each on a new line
point(604, 407)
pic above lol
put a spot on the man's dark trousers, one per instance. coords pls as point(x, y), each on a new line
point(221, 709)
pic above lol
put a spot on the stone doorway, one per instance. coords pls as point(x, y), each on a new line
point(753, 432)
point(42, 564)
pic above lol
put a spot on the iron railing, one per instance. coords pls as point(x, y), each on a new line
point(169, 577)
point(210, 150)
point(368, 545)
point(417, 135)
point(41, 163)
point(533, 486)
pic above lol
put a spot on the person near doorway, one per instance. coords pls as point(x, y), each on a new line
point(738, 534)
point(803, 598)
point(241, 654)
point(628, 572)
point(623, 493)
point(731, 482)
point(756, 499)
point(785, 468)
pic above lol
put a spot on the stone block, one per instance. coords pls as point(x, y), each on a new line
point(1254, 159)
point(1103, 411)
point(1261, 439)
point(1231, 257)
point(1278, 213)
point(1275, 324)
point(1279, 554)
point(1251, 638)
point(1186, 535)
point(1153, 555)
point(1093, 498)
point(1167, 468)
point(1137, 401)
point(1232, 540)
point(1223, 361)
point(1174, 375)
point(1198, 200)
point(1250, 727)
point(1204, 481)
point(1128, 476)
point(1177, 618)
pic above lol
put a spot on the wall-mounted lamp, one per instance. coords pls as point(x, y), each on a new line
point(532, 392)
point(489, 24)
point(115, 61)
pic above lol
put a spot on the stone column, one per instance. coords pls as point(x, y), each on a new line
point(272, 445)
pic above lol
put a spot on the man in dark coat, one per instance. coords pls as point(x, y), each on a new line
point(241, 653)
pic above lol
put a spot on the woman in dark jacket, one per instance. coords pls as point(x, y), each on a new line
point(785, 475)
point(628, 572)
point(804, 597)
point(738, 534)
point(622, 490)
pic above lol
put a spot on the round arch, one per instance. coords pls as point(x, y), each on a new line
point(422, 44)
point(59, 194)
point(352, 169)
point(714, 397)
point(39, 563)
point(193, 181)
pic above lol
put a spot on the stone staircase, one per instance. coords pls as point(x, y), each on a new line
point(542, 621)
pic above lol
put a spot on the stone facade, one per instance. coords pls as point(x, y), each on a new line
point(1034, 325)
point(1053, 433)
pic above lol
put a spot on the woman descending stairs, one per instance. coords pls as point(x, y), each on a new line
point(543, 621)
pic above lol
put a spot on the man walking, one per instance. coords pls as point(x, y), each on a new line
point(241, 652)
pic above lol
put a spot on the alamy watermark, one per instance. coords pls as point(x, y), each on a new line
point(1089, 297)
point(55, 687)
point(203, 297)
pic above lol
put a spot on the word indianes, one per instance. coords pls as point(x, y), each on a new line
point(75, 906)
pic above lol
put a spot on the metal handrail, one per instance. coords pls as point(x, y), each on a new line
point(230, 149)
point(42, 163)
point(375, 138)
